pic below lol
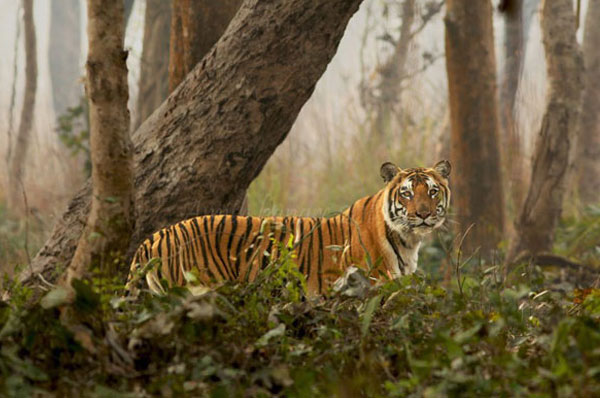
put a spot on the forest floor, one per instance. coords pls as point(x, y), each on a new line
point(413, 337)
point(466, 332)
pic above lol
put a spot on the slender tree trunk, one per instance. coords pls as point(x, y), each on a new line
point(109, 225)
point(513, 64)
point(394, 71)
point(589, 128)
point(471, 66)
point(196, 25)
point(154, 70)
point(553, 152)
point(199, 151)
point(17, 164)
point(64, 54)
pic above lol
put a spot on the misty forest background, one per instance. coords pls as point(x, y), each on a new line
point(507, 302)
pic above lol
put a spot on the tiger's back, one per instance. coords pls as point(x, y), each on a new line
point(219, 248)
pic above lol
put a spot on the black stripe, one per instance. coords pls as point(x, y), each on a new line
point(218, 236)
point(320, 264)
point(310, 246)
point(209, 248)
point(230, 241)
point(173, 268)
point(243, 239)
point(198, 238)
point(362, 217)
point(390, 238)
point(161, 233)
point(186, 247)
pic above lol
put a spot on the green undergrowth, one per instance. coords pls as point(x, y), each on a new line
point(414, 337)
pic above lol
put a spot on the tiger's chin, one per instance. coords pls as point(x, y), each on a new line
point(425, 228)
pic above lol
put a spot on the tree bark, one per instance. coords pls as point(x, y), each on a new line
point(17, 164)
point(471, 67)
point(589, 128)
point(553, 152)
point(513, 64)
point(63, 54)
point(109, 226)
point(200, 150)
point(154, 69)
point(196, 25)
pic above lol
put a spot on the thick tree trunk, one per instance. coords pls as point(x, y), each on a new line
point(200, 150)
point(394, 71)
point(552, 156)
point(196, 25)
point(589, 128)
point(154, 70)
point(513, 64)
point(17, 163)
point(64, 53)
point(109, 226)
point(471, 66)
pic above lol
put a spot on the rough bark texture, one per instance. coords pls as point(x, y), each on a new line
point(200, 150)
point(394, 71)
point(589, 135)
point(553, 152)
point(64, 53)
point(474, 152)
point(154, 69)
point(110, 218)
point(17, 163)
point(513, 64)
point(196, 25)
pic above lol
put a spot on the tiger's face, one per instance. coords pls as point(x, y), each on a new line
point(416, 199)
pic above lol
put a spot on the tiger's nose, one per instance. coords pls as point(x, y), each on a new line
point(423, 214)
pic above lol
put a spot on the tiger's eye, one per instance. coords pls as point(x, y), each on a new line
point(433, 192)
point(406, 194)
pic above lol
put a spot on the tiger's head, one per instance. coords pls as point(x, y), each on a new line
point(416, 200)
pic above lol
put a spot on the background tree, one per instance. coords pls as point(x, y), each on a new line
point(154, 65)
point(471, 66)
point(17, 162)
point(552, 155)
point(589, 128)
point(514, 54)
point(200, 150)
point(195, 28)
point(109, 223)
point(64, 54)
point(394, 71)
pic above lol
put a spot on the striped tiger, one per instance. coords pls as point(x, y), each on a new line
point(387, 228)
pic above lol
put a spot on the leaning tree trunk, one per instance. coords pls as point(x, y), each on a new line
point(64, 53)
point(552, 156)
point(202, 147)
point(17, 163)
point(589, 128)
point(154, 69)
point(109, 225)
point(196, 25)
point(471, 67)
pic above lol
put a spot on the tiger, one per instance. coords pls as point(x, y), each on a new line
point(386, 228)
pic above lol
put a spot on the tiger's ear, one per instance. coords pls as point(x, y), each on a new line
point(443, 168)
point(388, 171)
